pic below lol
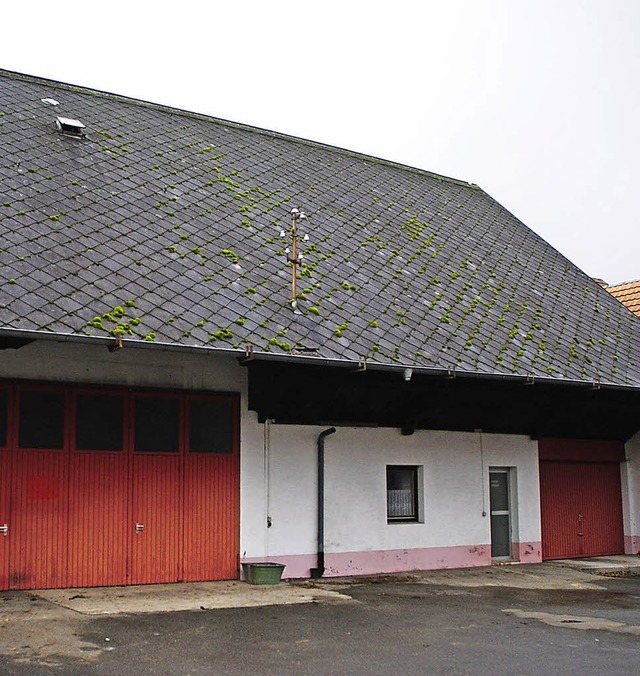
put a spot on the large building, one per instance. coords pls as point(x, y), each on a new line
point(188, 382)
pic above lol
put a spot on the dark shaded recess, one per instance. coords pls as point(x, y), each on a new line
point(324, 395)
point(100, 422)
point(9, 343)
point(42, 418)
point(211, 426)
point(157, 425)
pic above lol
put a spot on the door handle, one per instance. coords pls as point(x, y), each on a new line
point(4, 529)
point(139, 527)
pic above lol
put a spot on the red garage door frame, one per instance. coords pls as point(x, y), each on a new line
point(126, 513)
point(581, 498)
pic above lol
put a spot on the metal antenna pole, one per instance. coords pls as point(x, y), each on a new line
point(294, 258)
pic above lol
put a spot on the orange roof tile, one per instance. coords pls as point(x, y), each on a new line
point(628, 294)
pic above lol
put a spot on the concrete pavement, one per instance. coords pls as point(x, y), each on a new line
point(564, 574)
point(77, 630)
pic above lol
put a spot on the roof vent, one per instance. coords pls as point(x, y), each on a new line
point(70, 127)
point(50, 102)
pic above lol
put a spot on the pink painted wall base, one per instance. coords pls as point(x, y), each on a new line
point(632, 544)
point(399, 560)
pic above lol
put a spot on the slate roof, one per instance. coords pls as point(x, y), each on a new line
point(164, 225)
point(628, 294)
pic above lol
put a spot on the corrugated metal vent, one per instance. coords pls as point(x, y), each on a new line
point(70, 127)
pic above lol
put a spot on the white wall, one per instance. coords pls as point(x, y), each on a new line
point(630, 474)
point(70, 362)
point(455, 489)
point(278, 462)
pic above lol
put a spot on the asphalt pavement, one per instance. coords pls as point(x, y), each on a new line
point(551, 618)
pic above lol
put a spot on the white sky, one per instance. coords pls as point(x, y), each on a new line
point(538, 102)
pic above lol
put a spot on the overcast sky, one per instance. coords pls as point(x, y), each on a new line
point(538, 102)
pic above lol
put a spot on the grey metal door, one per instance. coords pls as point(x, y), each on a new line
point(500, 514)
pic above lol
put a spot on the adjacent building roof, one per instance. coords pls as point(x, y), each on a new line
point(628, 294)
point(163, 226)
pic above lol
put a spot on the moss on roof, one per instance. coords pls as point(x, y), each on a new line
point(180, 214)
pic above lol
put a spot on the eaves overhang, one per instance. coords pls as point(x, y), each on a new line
point(247, 355)
point(312, 390)
point(297, 393)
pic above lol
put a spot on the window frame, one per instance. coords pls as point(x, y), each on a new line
point(416, 497)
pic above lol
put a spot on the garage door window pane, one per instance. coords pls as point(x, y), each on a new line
point(99, 423)
point(157, 425)
point(211, 426)
point(41, 420)
point(3, 418)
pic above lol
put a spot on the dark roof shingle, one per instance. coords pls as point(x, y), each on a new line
point(165, 225)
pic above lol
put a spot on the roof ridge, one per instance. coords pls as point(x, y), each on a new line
point(615, 286)
point(239, 125)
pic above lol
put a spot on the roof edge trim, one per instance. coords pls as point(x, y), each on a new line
point(239, 353)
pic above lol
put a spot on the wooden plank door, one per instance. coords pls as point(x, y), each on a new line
point(39, 490)
point(5, 517)
point(5, 487)
point(211, 489)
point(38, 528)
point(156, 506)
point(99, 490)
point(155, 527)
point(98, 523)
point(600, 515)
point(211, 518)
point(581, 509)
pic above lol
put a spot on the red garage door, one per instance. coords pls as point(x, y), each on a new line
point(99, 487)
point(580, 498)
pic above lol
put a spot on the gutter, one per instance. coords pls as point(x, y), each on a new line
point(351, 364)
point(318, 572)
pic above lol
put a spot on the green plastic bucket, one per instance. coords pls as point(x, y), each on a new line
point(262, 573)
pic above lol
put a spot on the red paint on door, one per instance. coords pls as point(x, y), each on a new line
point(80, 517)
point(98, 519)
point(5, 517)
point(211, 517)
point(38, 527)
point(156, 520)
point(581, 509)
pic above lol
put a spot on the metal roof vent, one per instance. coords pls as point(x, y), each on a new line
point(70, 127)
point(50, 102)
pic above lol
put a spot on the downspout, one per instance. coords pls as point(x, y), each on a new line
point(319, 571)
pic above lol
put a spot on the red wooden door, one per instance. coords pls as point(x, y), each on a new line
point(39, 489)
point(155, 526)
point(156, 507)
point(5, 517)
point(98, 524)
point(581, 509)
point(38, 530)
point(98, 490)
point(211, 490)
point(211, 518)
point(103, 487)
